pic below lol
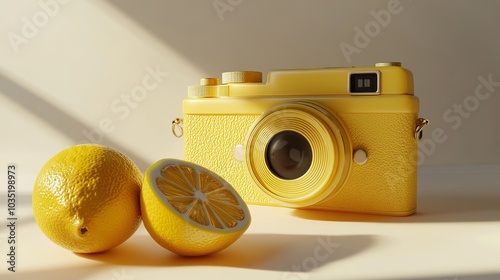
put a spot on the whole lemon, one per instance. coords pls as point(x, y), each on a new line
point(87, 198)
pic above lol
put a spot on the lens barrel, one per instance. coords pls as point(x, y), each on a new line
point(298, 153)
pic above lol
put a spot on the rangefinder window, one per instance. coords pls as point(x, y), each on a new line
point(364, 83)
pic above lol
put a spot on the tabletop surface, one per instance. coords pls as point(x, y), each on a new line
point(454, 235)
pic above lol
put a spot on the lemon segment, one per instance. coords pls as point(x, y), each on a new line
point(190, 210)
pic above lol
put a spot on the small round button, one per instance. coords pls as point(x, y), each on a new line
point(239, 153)
point(242, 77)
point(360, 156)
point(209, 82)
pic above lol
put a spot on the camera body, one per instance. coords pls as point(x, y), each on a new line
point(338, 139)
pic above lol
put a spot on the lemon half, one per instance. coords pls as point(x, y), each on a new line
point(190, 210)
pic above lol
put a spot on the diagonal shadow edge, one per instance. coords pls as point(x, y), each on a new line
point(65, 123)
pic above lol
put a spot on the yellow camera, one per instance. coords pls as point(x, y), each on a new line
point(339, 139)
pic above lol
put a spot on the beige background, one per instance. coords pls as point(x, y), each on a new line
point(68, 67)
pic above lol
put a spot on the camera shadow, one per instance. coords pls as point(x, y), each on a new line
point(273, 252)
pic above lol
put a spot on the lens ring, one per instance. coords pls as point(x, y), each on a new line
point(330, 147)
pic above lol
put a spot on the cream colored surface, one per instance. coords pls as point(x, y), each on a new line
point(454, 235)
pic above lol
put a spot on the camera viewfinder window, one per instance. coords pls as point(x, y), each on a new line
point(363, 83)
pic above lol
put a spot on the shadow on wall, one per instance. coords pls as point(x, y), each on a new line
point(63, 122)
point(220, 35)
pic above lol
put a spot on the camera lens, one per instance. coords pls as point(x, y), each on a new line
point(288, 155)
point(298, 153)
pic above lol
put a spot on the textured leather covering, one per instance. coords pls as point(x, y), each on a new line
point(385, 184)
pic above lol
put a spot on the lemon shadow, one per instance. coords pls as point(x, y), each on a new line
point(274, 252)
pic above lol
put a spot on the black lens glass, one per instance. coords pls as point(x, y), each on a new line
point(288, 155)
